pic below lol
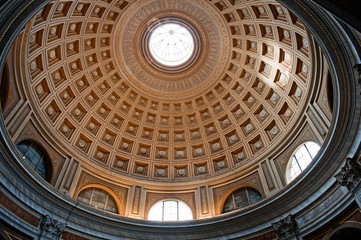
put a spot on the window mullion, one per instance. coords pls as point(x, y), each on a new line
point(308, 151)
point(177, 210)
point(249, 201)
point(298, 164)
point(163, 211)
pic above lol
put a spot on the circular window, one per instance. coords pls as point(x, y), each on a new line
point(171, 44)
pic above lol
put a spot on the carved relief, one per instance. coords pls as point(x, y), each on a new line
point(286, 228)
point(92, 87)
point(350, 174)
point(51, 227)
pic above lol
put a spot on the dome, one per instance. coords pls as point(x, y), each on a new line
point(115, 105)
point(202, 104)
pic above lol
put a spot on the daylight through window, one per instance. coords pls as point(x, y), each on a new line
point(171, 44)
point(302, 158)
point(170, 210)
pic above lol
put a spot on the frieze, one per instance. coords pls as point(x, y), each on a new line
point(17, 210)
point(322, 207)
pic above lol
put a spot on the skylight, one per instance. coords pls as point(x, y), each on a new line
point(171, 44)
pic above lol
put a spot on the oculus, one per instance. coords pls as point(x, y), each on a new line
point(171, 44)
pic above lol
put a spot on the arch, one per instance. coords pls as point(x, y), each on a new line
point(111, 201)
point(329, 89)
point(170, 210)
point(4, 86)
point(3, 235)
point(347, 230)
point(241, 198)
point(300, 159)
point(37, 158)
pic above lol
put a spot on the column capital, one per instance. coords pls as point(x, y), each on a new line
point(286, 228)
point(51, 228)
point(350, 174)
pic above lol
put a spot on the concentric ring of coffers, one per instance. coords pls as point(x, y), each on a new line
point(91, 91)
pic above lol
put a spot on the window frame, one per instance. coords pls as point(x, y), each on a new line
point(43, 160)
point(92, 188)
point(249, 203)
point(289, 176)
point(163, 214)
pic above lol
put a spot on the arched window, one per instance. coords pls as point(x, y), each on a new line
point(170, 210)
point(99, 199)
point(34, 156)
point(349, 233)
point(241, 198)
point(302, 157)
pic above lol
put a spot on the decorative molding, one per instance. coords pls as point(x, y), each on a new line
point(96, 95)
point(70, 174)
point(204, 199)
point(268, 175)
point(136, 200)
point(342, 140)
point(357, 195)
point(322, 207)
point(18, 211)
point(214, 44)
point(358, 69)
